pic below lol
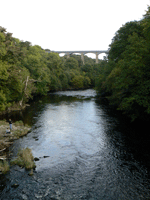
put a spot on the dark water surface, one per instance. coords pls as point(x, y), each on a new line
point(84, 151)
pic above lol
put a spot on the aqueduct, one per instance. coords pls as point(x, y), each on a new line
point(68, 53)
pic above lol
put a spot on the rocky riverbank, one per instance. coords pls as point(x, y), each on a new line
point(6, 139)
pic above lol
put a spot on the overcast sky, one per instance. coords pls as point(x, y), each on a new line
point(69, 24)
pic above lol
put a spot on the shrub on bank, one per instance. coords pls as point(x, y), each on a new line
point(20, 133)
point(4, 167)
point(25, 159)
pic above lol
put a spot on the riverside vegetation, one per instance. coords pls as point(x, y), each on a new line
point(123, 77)
point(27, 71)
point(25, 158)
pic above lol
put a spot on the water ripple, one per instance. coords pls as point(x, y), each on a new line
point(82, 154)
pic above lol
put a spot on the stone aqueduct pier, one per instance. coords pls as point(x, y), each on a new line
point(68, 53)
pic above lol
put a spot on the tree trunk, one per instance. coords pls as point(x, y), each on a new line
point(26, 84)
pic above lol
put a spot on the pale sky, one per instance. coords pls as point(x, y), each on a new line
point(69, 24)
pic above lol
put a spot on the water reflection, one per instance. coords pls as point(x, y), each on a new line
point(84, 152)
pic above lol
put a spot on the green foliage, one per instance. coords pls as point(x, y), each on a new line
point(35, 62)
point(24, 159)
point(4, 166)
point(3, 72)
point(27, 70)
point(120, 41)
point(125, 79)
point(3, 101)
point(77, 82)
point(63, 80)
point(71, 63)
point(146, 24)
point(86, 81)
point(53, 61)
point(55, 83)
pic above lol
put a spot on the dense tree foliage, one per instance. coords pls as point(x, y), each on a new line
point(27, 70)
point(125, 78)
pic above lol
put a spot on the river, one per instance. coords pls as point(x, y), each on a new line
point(85, 152)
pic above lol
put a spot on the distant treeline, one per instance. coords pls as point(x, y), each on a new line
point(26, 71)
point(125, 79)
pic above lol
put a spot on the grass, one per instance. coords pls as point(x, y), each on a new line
point(20, 133)
point(4, 166)
point(19, 123)
point(25, 159)
point(22, 130)
point(3, 122)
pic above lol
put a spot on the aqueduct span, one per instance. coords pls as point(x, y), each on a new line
point(68, 53)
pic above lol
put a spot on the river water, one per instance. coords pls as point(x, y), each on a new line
point(84, 150)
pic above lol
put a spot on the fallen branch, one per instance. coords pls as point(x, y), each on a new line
point(2, 158)
point(2, 150)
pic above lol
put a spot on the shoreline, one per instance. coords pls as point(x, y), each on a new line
point(6, 140)
point(13, 108)
point(17, 107)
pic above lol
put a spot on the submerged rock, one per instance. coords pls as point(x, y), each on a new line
point(24, 197)
point(36, 159)
point(31, 173)
point(15, 185)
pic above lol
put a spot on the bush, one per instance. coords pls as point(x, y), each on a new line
point(4, 166)
point(25, 159)
point(19, 123)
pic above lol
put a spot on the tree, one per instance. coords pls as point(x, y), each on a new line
point(27, 70)
point(125, 79)
point(120, 40)
point(35, 62)
point(3, 101)
point(71, 63)
point(77, 82)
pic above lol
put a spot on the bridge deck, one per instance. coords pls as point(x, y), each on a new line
point(84, 52)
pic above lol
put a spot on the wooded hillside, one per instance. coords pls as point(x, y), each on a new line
point(26, 71)
point(125, 79)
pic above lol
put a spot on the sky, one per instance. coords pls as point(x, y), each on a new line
point(61, 25)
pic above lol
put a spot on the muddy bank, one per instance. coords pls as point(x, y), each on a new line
point(6, 139)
